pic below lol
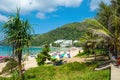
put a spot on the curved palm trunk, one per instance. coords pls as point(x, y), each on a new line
point(19, 64)
point(18, 53)
point(13, 52)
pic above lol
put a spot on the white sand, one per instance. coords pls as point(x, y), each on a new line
point(2, 65)
point(74, 51)
point(30, 63)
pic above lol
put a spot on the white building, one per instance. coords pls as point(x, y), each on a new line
point(64, 43)
point(59, 41)
point(75, 41)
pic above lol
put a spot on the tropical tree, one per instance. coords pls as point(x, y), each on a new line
point(42, 56)
point(18, 34)
point(111, 38)
point(110, 15)
point(89, 42)
point(104, 13)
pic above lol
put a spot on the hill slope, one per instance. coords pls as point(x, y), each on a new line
point(71, 31)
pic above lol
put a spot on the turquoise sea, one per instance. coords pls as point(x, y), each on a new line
point(7, 50)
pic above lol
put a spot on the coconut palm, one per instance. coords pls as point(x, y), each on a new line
point(112, 23)
point(104, 13)
point(18, 34)
point(90, 41)
point(112, 38)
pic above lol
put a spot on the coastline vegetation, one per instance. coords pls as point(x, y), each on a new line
point(70, 71)
point(18, 33)
point(100, 36)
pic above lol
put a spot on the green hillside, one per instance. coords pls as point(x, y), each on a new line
point(72, 31)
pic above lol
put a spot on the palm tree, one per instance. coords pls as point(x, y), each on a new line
point(112, 38)
point(18, 34)
point(104, 13)
point(110, 15)
point(90, 41)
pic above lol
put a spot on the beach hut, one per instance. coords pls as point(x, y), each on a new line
point(65, 55)
point(56, 57)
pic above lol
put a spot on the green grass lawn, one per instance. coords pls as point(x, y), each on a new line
point(97, 51)
point(70, 71)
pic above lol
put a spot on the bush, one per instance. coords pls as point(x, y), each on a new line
point(69, 71)
point(40, 59)
point(5, 59)
point(10, 66)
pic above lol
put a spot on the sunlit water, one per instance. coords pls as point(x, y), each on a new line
point(7, 50)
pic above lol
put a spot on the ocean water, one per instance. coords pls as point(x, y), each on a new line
point(7, 50)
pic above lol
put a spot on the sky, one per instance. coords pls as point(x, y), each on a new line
point(47, 15)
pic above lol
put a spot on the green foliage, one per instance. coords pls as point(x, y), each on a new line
point(18, 34)
point(70, 71)
point(109, 17)
point(10, 66)
point(40, 59)
point(15, 75)
point(72, 31)
point(55, 44)
point(5, 59)
point(82, 54)
point(42, 56)
point(86, 53)
point(77, 44)
point(2, 78)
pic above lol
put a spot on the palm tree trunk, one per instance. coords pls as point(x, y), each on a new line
point(19, 64)
point(116, 48)
point(13, 54)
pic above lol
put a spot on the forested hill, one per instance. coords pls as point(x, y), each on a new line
point(72, 31)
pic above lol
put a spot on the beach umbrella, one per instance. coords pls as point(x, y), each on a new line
point(56, 57)
point(65, 55)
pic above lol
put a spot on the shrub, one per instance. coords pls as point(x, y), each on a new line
point(40, 59)
point(10, 66)
point(5, 59)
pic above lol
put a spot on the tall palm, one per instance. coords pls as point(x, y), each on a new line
point(112, 38)
point(112, 22)
point(18, 33)
point(104, 13)
point(90, 41)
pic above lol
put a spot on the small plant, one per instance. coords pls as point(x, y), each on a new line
point(5, 59)
point(10, 66)
point(41, 57)
point(15, 75)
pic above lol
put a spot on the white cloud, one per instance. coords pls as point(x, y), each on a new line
point(94, 4)
point(41, 15)
point(41, 6)
point(3, 18)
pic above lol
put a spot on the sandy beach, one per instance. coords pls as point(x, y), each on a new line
point(30, 63)
point(2, 65)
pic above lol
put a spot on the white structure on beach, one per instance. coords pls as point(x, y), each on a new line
point(59, 41)
point(64, 43)
point(75, 41)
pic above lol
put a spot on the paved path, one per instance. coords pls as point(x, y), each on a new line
point(115, 73)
